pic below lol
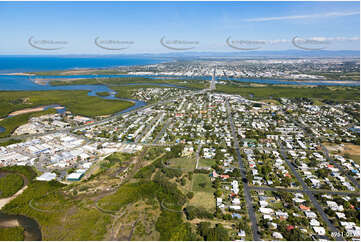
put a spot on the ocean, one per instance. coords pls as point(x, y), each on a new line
point(11, 64)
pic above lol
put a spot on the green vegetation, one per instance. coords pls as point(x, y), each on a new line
point(126, 91)
point(78, 102)
point(27, 171)
point(206, 163)
point(53, 206)
point(10, 184)
point(194, 212)
point(12, 123)
point(202, 183)
point(103, 94)
point(169, 223)
point(218, 233)
point(10, 142)
point(118, 158)
point(203, 200)
point(12, 234)
point(352, 76)
point(186, 164)
point(290, 91)
point(147, 82)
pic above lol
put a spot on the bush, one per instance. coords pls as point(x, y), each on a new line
point(194, 212)
point(10, 184)
point(13, 234)
point(27, 171)
point(190, 195)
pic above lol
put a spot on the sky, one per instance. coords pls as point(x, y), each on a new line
point(160, 27)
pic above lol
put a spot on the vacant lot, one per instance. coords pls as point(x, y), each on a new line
point(206, 163)
point(203, 199)
point(186, 164)
point(353, 151)
point(202, 183)
point(349, 151)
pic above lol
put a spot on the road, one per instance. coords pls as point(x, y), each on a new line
point(353, 180)
point(306, 190)
point(113, 117)
point(283, 189)
point(197, 155)
point(325, 151)
point(164, 128)
point(147, 128)
point(247, 196)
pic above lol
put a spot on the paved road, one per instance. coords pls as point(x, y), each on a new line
point(147, 128)
point(280, 189)
point(113, 117)
point(353, 180)
point(246, 192)
point(160, 135)
point(325, 151)
point(324, 216)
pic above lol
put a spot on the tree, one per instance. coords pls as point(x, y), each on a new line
point(190, 195)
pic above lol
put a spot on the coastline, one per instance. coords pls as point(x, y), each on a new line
point(18, 74)
point(31, 110)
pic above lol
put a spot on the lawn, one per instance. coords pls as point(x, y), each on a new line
point(206, 163)
point(186, 164)
point(202, 183)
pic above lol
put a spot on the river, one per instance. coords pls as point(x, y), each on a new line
point(32, 230)
point(31, 227)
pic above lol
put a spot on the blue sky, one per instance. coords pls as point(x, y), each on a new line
point(206, 25)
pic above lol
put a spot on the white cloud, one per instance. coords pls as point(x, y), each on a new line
point(322, 15)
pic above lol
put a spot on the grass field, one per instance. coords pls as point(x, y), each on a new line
point(186, 164)
point(12, 234)
point(204, 200)
point(271, 101)
point(348, 150)
point(202, 183)
point(353, 151)
point(206, 162)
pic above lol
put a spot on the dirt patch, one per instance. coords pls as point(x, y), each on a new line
point(352, 149)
